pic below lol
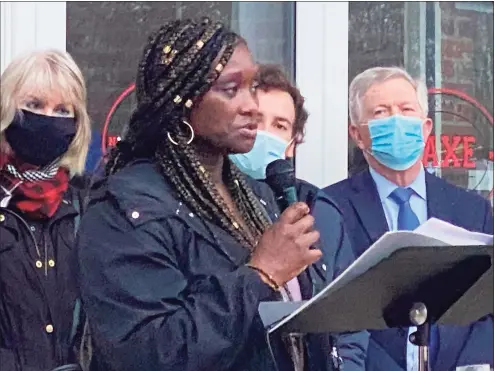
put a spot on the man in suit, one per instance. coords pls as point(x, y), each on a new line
point(390, 124)
point(280, 129)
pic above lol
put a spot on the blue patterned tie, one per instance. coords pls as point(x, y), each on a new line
point(409, 221)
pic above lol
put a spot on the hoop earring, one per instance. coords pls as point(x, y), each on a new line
point(189, 140)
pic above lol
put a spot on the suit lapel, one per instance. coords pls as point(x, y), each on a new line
point(366, 202)
point(439, 205)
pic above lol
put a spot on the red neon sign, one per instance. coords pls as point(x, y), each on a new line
point(457, 152)
point(112, 141)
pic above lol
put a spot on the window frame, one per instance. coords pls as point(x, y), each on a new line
point(321, 72)
point(31, 25)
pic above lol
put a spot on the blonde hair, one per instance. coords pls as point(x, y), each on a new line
point(376, 75)
point(49, 70)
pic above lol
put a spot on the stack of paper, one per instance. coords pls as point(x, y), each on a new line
point(451, 234)
point(432, 233)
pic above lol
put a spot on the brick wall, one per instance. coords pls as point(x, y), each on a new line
point(465, 45)
point(459, 39)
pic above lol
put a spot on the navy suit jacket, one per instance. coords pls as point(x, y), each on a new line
point(359, 202)
point(337, 256)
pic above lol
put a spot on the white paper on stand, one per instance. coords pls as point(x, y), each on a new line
point(433, 232)
point(451, 234)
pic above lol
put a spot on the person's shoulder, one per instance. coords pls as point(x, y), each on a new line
point(345, 188)
point(308, 192)
point(304, 187)
point(77, 190)
point(315, 196)
point(265, 196)
point(465, 208)
point(137, 189)
point(259, 188)
point(141, 179)
point(339, 188)
point(455, 193)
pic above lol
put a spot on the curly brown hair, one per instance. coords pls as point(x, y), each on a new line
point(273, 77)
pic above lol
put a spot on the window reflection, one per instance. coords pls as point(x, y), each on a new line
point(107, 38)
point(450, 44)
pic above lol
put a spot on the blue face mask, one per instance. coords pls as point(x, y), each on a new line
point(396, 141)
point(267, 148)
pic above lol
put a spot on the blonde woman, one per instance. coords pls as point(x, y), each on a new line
point(45, 132)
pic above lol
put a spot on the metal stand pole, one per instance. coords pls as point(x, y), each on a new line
point(419, 316)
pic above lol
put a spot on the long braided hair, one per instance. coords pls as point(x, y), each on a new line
point(174, 72)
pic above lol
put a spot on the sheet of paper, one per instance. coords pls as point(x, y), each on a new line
point(432, 233)
point(384, 247)
point(452, 234)
point(484, 367)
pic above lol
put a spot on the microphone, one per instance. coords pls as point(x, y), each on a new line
point(281, 178)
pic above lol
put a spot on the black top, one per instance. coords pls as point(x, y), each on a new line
point(165, 290)
point(37, 289)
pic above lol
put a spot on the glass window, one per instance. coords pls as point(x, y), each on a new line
point(106, 39)
point(451, 45)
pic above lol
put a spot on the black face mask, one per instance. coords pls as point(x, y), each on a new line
point(40, 139)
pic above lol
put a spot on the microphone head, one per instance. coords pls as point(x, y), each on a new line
point(280, 175)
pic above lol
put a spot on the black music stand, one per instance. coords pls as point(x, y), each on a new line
point(413, 286)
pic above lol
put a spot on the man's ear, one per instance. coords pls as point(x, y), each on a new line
point(355, 134)
point(298, 138)
point(427, 128)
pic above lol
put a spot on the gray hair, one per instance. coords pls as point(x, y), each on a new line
point(376, 75)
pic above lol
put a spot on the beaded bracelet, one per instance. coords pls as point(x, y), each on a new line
point(268, 278)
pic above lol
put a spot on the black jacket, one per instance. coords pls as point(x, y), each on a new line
point(37, 292)
point(165, 290)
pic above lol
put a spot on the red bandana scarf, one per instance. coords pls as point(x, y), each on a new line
point(36, 198)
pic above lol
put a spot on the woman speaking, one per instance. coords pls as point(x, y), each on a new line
point(178, 247)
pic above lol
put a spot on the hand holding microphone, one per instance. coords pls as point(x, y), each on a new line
point(284, 250)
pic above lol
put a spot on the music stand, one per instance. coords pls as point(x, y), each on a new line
point(413, 286)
